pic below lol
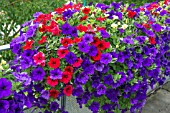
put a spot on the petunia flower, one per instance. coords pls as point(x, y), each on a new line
point(39, 58)
point(156, 27)
point(62, 53)
point(86, 11)
point(52, 82)
point(28, 44)
point(106, 58)
point(77, 62)
point(71, 58)
point(66, 77)
point(54, 93)
point(152, 40)
point(54, 106)
point(54, 63)
point(82, 28)
point(66, 42)
point(5, 88)
point(68, 90)
point(69, 69)
point(83, 47)
point(87, 38)
point(101, 89)
point(56, 74)
point(38, 74)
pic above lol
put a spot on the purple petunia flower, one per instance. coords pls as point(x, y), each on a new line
point(149, 33)
point(83, 47)
point(28, 54)
point(105, 69)
point(54, 106)
point(121, 58)
point(141, 39)
point(94, 106)
point(98, 66)
point(45, 94)
point(93, 51)
point(22, 77)
point(128, 40)
point(77, 91)
point(163, 12)
point(35, 15)
point(138, 25)
point(147, 62)
point(74, 32)
point(67, 14)
point(38, 74)
point(167, 21)
point(95, 83)
point(87, 38)
point(56, 74)
point(104, 34)
point(106, 58)
point(16, 48)
point(71, 58)
point(82, 78)
point(101, 89)
point(25, 63)
point(5, 88)
point(66, 29)
point(156, 27)
point(31, 31)
point(4, 105)
point(108, 79)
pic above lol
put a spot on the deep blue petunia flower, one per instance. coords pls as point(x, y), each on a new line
point(5, 88)
point(71, 58)
point(38, 74)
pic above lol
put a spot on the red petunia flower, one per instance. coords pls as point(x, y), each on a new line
point(54, 63)
point(39, 58)
point(83, 18)
point(77, 6)
point(56, 31)
point(78, 62)
point(86, 11)
point(62, 52)
point(81, 28)
point(66, 41)
point(166, 2)
point(43, 40)
point(59, 10)
point(43, 28)
point(66, 77)
point(52, 82)
point(100, 19)
point(77, 40)
point(131, 14)
point(147, 26)
point(54, 93)
point(152, 40)
point(96, 41)
point(69, 69)
point(103, 45)
point(28, 44)
point(97, 57)
point(68, 90)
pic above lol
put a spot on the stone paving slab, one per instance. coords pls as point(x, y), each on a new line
point(167, 86)
point(158, 103)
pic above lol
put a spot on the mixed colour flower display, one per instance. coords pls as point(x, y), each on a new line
point(99, 52)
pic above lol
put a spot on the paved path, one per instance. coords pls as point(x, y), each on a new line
point(158, 102)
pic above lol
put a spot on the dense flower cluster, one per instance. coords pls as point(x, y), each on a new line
point(104, 52)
